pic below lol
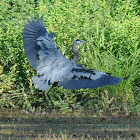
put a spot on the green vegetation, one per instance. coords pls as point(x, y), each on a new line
point(112, 28)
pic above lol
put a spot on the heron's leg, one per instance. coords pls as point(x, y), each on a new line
point(49, 97)
point(44, 99)
point(49, 92)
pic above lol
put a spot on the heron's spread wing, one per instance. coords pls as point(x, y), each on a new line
point(53, 67)
point(88, 78)
point(38, 44)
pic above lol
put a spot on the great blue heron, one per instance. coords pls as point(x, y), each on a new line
point(52, 67)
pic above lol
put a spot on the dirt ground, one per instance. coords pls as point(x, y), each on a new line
point(22, 124)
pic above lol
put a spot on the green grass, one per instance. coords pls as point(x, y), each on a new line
point(110, 27)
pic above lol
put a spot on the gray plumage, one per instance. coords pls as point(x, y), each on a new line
point(52, 67)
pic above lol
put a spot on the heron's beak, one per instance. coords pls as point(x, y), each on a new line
point(84, 41)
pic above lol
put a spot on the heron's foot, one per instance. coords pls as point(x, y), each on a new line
point(50, 110)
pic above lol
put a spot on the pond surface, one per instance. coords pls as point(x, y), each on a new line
point(21, 124)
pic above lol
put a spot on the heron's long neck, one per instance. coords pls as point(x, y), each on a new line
point(76, 53)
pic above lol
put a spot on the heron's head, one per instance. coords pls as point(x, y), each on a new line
point(79, 42)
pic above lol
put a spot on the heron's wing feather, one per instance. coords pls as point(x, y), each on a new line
point(70, 76)
point(88, 78)
point(37, 42)
point(51, 70)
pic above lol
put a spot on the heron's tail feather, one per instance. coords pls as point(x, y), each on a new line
point(127, 77)
point(40, 83)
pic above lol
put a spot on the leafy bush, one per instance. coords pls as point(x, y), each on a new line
point(110, 27)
